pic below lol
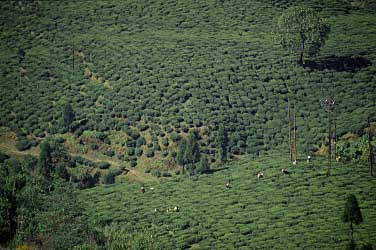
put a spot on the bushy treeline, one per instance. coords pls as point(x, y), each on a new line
point(39, 208)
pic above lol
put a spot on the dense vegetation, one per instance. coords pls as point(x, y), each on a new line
point(156, 70)
point(182, 96)
point(300, 210)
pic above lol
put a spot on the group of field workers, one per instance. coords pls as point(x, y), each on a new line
point(174, 209)
point(259, 174)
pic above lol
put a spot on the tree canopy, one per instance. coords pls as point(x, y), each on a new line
point(301, 30)
point(68, 115)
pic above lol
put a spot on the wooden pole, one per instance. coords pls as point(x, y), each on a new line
point(370, 156)
point(330, 142)
point(289, 126)
point(295, 130)
point(335, 134)
point(72, 59)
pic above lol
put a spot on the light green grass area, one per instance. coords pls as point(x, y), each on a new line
point(301, 210)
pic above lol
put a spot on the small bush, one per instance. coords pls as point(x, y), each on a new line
point(175, 137)
point(138, 151)
point(166, 174)
point(23, 144)
point(131, 151)
point(109, 178)
point(104, 165)
point(3, 157)
point(133, 164)
point(150, 153)
point(110, 153)
point(156, 172)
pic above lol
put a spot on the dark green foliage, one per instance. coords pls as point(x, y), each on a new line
point(156, 172)
point(3, 157)
point(86, 180)
point(110, 153)
point(180, 155)
point(302, 31)
point(305, 205)
point(237, 76)
point(203, 165)
point(150, 153)
point(175, 137)
point(32, 211)
point(62, 218)
point(367, 246)
point(12, 180)
point(221, 143)
point(353, 215)
point(351, 245)
point(109, 177)
point(352, 211)
point(104, 165)
point(119, 238)
point(133, 163)
point(192, 150)
point(138, 151)
point(68, 116)
point(140, 141)
point(61, 171)
point(23, 144)
point(45, 159)
point(355, 149)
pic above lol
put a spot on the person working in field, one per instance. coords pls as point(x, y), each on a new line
point(142, 190)
point(308, 158)
point(228, 186)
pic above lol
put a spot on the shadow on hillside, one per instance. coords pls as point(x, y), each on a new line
point(339, 63)
point(212, 171)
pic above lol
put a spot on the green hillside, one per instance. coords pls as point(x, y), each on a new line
point(302, 210)
point(158, 69)
point(98, 98)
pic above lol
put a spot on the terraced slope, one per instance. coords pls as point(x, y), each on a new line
point(301, 210)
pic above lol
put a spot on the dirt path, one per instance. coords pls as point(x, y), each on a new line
point(8, 142)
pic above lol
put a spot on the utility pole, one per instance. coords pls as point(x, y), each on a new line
point(335, 134)
point(289, 126)
point(370, 156)
point(328, 104)
point(295, 131)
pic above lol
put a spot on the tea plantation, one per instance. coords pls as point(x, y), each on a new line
point(159, 69)
point(99, 98)
point(301, 210)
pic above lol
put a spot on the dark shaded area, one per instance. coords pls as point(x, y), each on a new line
point(212, 171)
point(339, 63)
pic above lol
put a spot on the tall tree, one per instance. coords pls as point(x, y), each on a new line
point(192, 151)
point(68, 115)
point(180, 156)
point(301, 30)
point(352, 214)
point(203, 165)
point(222, 142)
point(45, 159)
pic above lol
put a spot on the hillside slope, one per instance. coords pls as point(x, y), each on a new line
point(158, 69)
point(301, 210)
